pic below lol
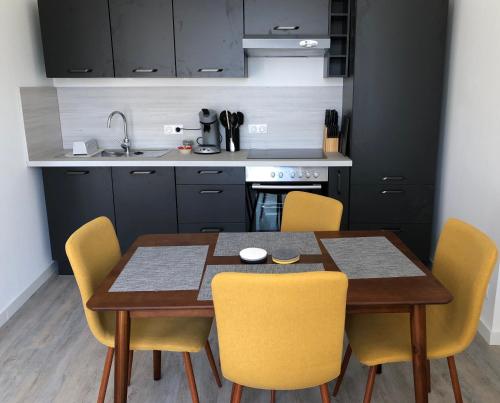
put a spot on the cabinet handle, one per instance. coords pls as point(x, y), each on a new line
point(207, 172)
point(393, 178)
point(286, 28)
point(75, 172)
point(142, 172)
point(209, 230)
point(396, 229)
point(339, 178)
point(392, 192)
point(144, 70)
point(210, 192)
point(80, 71)
point(218, 70)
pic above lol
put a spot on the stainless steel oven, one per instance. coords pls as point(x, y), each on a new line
point(267, 188)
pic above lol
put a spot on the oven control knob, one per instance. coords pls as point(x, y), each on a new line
point(308, 175)
point(280, 174)
point(315, 174)
point(292, 175)
point(273, 174)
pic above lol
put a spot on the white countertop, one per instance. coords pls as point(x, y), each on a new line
point(174, 158)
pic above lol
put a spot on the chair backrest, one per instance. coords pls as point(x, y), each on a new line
point(310, 212)
point(280, 331)
point(93, 250)
point(464, 260)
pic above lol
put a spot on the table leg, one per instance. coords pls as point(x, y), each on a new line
point(122, 342)
point(419, 352)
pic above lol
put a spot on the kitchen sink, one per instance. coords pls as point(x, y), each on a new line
point(133, 154)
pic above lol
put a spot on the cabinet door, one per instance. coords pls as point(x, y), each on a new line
point(398, 74)
point(338, 188)
point(287, 17)
point(143, 38)
point(208, 38)
point(76, 38)
point(73, 197)
point(144, 202)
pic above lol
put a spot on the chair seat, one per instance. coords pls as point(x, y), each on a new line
point(164, 334)
point(384, 338)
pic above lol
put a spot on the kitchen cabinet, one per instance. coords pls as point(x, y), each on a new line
point(394, 97)
point(287, 17)
point(143, 38)
point(145, 202)
point(76, 38)
point(74, 196)
point(208, 38)
point(339, 188)
point(211, 199)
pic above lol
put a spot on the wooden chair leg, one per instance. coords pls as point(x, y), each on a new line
point(105, 375)
point(190, 376)
point(156, 365)
point(211, 360)
point(238, 389)
point(454, 379)
point(379, 369)
point(130, 361)
point(428, 376)
point(325, 394)
point(369, 385)
point(273, 396)
point(343, 369)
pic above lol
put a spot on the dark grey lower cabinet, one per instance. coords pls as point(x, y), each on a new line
point(338, 188)
point(73, 197)
point(144, 202)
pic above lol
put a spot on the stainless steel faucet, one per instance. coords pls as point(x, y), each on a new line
point(126, 144)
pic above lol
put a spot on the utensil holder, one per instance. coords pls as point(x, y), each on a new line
point(236, 139)
point(330, 144)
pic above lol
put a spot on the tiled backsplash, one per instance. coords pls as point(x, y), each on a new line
point(294, 115)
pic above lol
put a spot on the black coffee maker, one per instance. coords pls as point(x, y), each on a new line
point(210, 140)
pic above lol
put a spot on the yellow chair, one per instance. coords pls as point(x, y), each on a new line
point(93, 250)
point(304, 211)
point(280, 331)
point(464, 261)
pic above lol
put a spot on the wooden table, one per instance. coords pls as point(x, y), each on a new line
point(378, 295)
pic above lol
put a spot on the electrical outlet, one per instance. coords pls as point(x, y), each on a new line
point(173, 129)
point(257, 129)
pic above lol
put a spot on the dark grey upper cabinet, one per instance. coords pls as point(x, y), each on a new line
point(287, 17)
point(145, 202)
point(76, 38)
point(143, 38)
point(208, 38)
point(397, 92)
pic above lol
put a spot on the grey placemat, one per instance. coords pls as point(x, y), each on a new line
point(230, 243)
point(162, 268)
point(205, 293)
point(370, 257)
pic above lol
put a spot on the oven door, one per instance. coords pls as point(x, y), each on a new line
point(266, 202)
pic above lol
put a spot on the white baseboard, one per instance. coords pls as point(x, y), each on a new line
point(492, 337)
point(18, 302)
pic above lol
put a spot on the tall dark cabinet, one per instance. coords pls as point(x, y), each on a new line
point(76, 38)
point(394, 95)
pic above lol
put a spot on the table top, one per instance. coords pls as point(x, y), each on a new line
point(396, 294)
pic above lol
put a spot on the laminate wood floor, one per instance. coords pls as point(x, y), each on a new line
point(47, 354)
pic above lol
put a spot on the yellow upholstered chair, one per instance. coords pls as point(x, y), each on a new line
point(310, 212)
point(93, 250)
point(280, 331)
point(464, 260)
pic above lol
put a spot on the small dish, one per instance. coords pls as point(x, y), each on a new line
point(253, 255)
point(285, 256)
point(185, 149)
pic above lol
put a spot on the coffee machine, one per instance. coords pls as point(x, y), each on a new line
point(210, 140)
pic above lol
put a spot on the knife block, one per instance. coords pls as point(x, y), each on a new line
point(330, 145)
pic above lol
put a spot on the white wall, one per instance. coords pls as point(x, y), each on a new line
point(470, 182)
point(24, 244)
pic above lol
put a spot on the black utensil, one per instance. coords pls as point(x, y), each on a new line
point(241, 118)
point(328, 119)
point(223, 119)
point(335, 124)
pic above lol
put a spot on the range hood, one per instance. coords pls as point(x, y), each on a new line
point(265, 46)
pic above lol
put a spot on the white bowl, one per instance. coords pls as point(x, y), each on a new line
point(253, 255)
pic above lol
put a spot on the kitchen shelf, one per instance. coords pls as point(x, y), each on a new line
point(337, 58)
